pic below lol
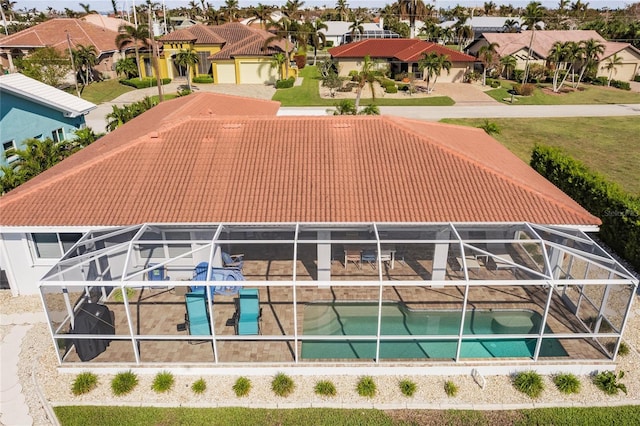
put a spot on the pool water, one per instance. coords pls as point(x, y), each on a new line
point(361, 319)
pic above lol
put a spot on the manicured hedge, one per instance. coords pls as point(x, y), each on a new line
point(144, 83)
point(619, 211)
point(203, 79)
point(285, 84)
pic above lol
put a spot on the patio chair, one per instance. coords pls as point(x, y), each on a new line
point(197, 317)
point(232, 260)
point(369, 256)
point(158, 273)
point(249, 312)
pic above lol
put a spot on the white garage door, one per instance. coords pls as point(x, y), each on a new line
point(625, 72)
point(226, 73)
point(257, 73)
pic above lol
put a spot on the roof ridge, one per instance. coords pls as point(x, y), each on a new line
point(462, 155)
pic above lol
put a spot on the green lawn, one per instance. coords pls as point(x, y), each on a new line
point(589, 95)
point(608, 145)
point(140, 416)
point(104, 91)
point(308, 95)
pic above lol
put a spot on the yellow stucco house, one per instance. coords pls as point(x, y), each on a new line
point(232, 53)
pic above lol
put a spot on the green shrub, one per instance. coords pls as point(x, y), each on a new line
point(117, 294)
point(623, 349)
point(163, 382)
point(325, 388)
point(242, 386)
point(619, 211)
point(567, 383)
point(624, 85)
point(391, 89)
point(524, 89)
point(366, 387)
point(124, 383)
point(84, 383)
point(285, 84)
point(353, 73)
point(530, 383)
point(407, 387)
point(608, 382)
point(199, 386)
point(450, 388)
point(600, 81)
point(495, 84)
point(282, 385)
point(203, 79)
point(143, 83)
point(490, 127)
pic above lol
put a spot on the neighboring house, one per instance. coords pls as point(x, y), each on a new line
point(517, 45)
point(486, 24)
point(31, 109)
point(338, 32)
point(59, 33)
point(472, 229)
point(401, 55)
point(232, 53)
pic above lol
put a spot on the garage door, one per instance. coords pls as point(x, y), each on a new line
point(257, 73)
point(226, 73)
point(625, 72)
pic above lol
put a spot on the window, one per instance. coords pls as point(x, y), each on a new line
point(9, 148)
point(57, 135)
point(52, 245)
point(204, 64)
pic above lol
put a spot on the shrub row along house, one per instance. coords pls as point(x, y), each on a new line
point(301, 240)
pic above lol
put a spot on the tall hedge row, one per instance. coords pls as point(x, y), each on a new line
point(619, 211)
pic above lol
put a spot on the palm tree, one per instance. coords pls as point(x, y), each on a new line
point(277, 61)
point(487, 55)
point(511, 26)
point(85, 58)
point(431, 65)
point(356, 27)
point(612, 65)
point(489, 8)
point(230, 9)
point(86, 9)
point(509, 64)
point(187, 58)
point(37, 156)
point(317, 38)
point(342, 8)
point(411, 9)
point(366, 76)
point(128, 34)
point(557, 56)
point(533, 14)
point(126, 67)
point(260, 13)
point(280, 30)
point(291, 9)
point(592, 49)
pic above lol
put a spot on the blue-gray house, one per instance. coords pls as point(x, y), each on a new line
point(31, 109)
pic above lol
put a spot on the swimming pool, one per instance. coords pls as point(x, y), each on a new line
point(361, 319)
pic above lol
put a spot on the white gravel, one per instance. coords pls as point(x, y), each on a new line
point(38, 358)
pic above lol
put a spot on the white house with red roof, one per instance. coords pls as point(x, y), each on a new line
point(434, 230)
point(401, 56)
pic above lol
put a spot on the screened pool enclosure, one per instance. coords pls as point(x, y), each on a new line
point(365, 293)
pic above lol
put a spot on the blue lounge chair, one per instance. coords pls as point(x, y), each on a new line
point(217, 274)
point(248, 318)
point(157, 273)
point(197, 317)
point(232, 260)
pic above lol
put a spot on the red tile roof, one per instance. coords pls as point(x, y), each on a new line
point(510, 43)
point(53, 33)
point(403, 49)
point(236, 39)
point(281, 169)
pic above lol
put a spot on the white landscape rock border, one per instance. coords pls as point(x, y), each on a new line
point(38, 369)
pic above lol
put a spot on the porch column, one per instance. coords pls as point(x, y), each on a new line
point(324, 256)
point(440, 256)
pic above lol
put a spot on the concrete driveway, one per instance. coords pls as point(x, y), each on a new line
point(465, 94)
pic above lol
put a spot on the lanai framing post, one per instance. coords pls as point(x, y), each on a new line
point(466, 292)
point(380, 292)
point(543, 324)
point(212, 322)
point(295, 296)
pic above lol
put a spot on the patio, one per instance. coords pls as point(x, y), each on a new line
point(583, 303)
